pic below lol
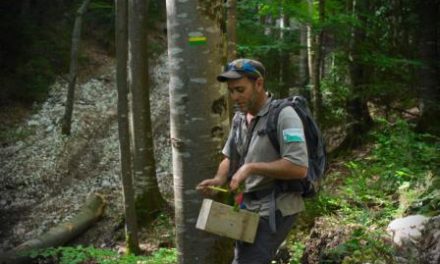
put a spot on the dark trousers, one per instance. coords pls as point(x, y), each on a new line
point(266, 243)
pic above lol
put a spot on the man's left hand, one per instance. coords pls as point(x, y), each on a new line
point(240, 176)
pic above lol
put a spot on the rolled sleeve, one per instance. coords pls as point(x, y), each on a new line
point(291, 136)
point(227, 147)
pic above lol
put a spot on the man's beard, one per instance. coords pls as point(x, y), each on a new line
point(251, 104)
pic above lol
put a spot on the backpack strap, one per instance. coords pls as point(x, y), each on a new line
point(275, 109)
point(237, 160)
point(235, 157)
point(272, 122)
point(299, 104)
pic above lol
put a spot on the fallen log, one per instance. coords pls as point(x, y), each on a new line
point(92, 210)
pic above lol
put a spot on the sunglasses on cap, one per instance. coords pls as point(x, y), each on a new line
point(244, 66)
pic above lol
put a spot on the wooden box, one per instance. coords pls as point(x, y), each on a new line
point(222, 220)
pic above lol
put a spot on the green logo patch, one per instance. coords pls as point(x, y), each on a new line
point(293, 135)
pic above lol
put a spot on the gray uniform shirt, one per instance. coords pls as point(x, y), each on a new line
point(292, 148)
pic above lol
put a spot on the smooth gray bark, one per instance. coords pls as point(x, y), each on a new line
point(231, 30)
point(303, 57)
point(231, 36)
point(198, 117)
point(73, 69)
point(148, 198)
point(318, 58)
point(131, 232)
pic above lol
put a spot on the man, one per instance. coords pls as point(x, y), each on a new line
point(262, 164)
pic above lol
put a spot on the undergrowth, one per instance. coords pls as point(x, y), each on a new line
point(398, 176)
point(88, 255)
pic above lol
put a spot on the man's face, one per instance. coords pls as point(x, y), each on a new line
point(245, 93)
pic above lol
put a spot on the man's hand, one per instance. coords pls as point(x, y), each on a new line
point(240, 176)
point(203, 187)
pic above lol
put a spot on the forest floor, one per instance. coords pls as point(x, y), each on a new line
point(45, 176)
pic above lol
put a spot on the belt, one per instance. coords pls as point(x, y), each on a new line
point(257, 195)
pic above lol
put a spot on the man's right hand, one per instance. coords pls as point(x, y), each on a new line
point(204, 189)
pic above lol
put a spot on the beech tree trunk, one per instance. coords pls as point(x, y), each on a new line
point(131, 232)
point(310, 52)
point(316, 80)
point(198, 116)
point(73, 69)
point(148, 198)
point(283, 59)
point(231, 52)
point(231, 30)
point(303, 57)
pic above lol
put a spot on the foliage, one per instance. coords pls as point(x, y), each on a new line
point(297, 251)
point(34, 51)
point(80, 254)
point(265, 43)
point(362, 247)
point(386, 53)
point(99, 23)
point(399, 175)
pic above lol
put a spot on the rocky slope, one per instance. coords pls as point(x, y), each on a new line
point(45, 177)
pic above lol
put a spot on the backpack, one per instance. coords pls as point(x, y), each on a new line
point(316, 149)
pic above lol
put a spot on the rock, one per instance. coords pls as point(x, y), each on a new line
point(430, 242)
point(417, 239)
point(406, 228)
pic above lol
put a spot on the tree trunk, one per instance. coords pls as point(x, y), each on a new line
point(428, 12)
point(284, 59)
point(357, 109)
point(60, 234)
point(76, 38)
point(231, 37)
point(303, 58)
point(316, 81)
point(231, 30)
point(121, 26)
point(198, 118)
point(310, 53)
point(148, 198)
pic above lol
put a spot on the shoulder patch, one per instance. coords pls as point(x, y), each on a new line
point(293, 135)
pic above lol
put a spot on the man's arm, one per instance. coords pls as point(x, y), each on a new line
point(293, 162)
point(281, 169)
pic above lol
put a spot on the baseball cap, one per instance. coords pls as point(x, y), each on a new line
point(239, 68)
